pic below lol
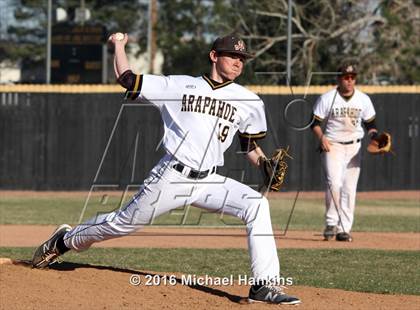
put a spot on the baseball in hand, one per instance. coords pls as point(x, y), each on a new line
point(119, 36)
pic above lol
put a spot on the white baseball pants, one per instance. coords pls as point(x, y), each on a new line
point(166, 189)
point(342, 169)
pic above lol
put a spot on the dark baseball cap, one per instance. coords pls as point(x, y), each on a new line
point(347, 68)
point(231, 44)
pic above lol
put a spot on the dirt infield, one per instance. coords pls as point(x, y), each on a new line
point(31, 236)
point(70, 286)
point(92, 287)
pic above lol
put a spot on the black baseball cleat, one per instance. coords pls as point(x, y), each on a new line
point(271, 294)
point(48, 252)
point(329, 232)
point(343, 236)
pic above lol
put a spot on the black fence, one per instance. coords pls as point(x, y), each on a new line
point(63, 141)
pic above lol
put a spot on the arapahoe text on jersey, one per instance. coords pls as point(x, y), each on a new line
point(346, 112)
point(215, 107)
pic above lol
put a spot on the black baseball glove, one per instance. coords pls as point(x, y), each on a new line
point(274, 169)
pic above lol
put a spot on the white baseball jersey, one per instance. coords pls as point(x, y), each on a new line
point(345, 116)
point(200, 118)
point(193, 107)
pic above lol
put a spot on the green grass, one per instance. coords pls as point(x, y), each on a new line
point(394, 272)
point(371, 215)
point(39, 210)
point(42, 210)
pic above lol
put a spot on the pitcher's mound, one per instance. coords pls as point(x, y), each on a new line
point(71, 285)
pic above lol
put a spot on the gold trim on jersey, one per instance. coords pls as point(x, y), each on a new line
point(318, 118)
point(216, 86)
point(370, 120)
point(259, 135)
point(135, 92)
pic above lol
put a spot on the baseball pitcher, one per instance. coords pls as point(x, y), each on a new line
point(201, 115)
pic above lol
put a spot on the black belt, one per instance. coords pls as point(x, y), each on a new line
point(351, 142)
point(194, 174)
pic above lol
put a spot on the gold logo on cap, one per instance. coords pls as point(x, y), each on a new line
point(240, 46)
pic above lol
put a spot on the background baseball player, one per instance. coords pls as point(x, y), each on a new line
point(344, 110)
point(201, 115)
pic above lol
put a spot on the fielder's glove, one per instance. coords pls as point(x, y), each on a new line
point(380, 144)
point(274, 169)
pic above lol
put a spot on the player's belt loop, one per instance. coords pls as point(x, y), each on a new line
point(350, 142)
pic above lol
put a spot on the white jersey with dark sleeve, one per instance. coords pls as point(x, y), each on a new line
point(201, 117)
point(345, 116)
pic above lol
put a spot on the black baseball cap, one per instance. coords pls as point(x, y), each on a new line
point(231, 44)
point(347, 68)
